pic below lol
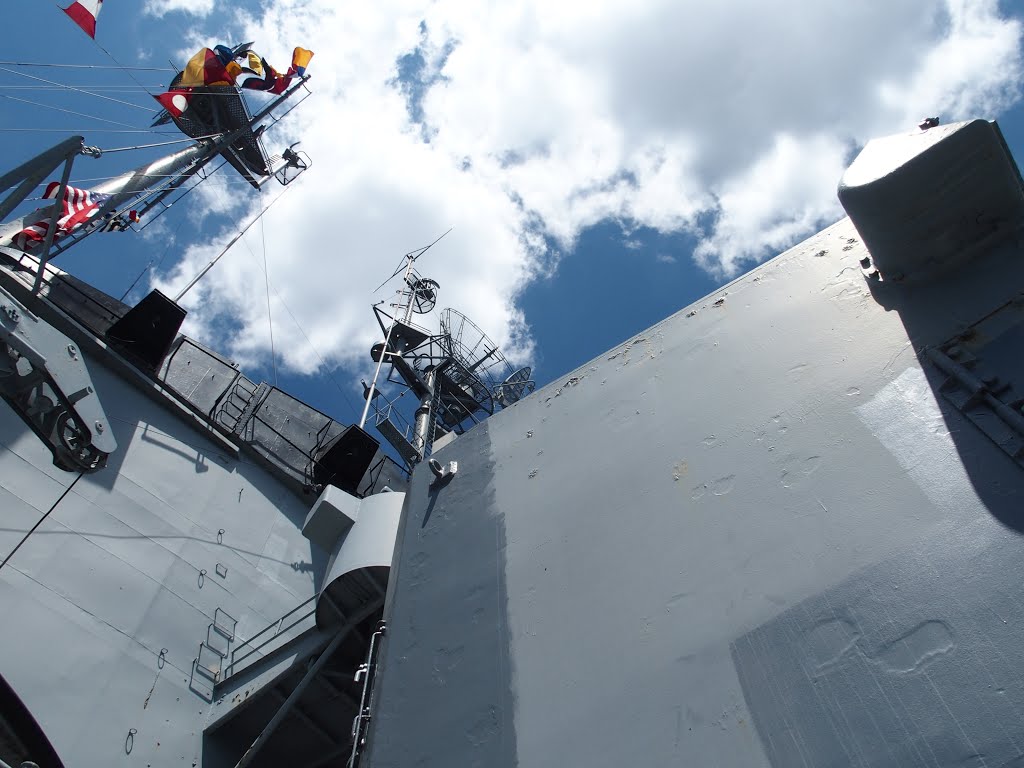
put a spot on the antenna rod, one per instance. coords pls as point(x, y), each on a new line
point(376, 376)
point(234, 240)
point(384, 352)
point(279, 100)
point(426, 248)
point(411, 255)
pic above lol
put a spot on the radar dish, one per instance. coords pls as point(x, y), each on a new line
point(474, 370)
point(515, 387)
point(423, 293)
point(458, 376)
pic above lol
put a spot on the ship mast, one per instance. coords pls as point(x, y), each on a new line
point(42, 373)
point(149, 184)
point(458, 376)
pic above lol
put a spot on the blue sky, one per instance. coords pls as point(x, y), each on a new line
point(599, 173)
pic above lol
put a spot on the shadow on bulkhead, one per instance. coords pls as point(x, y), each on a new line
point(941, 212)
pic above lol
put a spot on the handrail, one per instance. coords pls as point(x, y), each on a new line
point(229, 390)
point(278, 623)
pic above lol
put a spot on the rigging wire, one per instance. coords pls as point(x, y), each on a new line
point(208, 174)
point(105, 87)
point(266, 276)
point(413, 255)
point(68, 111)
point(167, 206)
point(83, 66)
point(78, 182)
point(123, 68)
point(278, 119)
point(124, 89)
point(93, 179)
point(144, 197)
point(97, 179)
point(160, 144)
point(156, 262)
point(86, 130)
point(227, 248)
point(108, 53)
point(77, 90)
point(41, 519)
point(323, 363)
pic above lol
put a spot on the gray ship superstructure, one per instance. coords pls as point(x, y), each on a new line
point(180, 570)
point(780, 528)
point(170, 525)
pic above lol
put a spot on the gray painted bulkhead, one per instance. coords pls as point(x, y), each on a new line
point(756, 534)
point(187, 546)
point(106, 604)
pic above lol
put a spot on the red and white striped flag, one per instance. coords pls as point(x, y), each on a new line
point(78, 207)
point(84, 13)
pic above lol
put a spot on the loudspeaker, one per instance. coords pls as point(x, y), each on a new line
point(149, 328)
point(345, 460)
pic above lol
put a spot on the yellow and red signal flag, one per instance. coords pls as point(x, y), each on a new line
point(220, 66)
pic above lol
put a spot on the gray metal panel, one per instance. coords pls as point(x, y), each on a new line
point(371, 540)
point(369, 543)
point(393, 435)
point(252, 677)
point(666, 557)
point(447, 646)
point(93, 308)
point(367, 546)
point(913, 662)
point(384, 472)
point(113, 577)
point(331, 515)
point(637, 520)
point(197, 374)
point(286, 432)
point(926, 200)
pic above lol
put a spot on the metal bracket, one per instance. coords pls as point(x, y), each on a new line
point(29, 175)
point(289, 165)
point(44, 378)
point(443, 473)
point(978, 399)
point(367, 675)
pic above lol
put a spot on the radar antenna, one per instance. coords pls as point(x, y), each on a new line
point(515, 387)
point(457, 375)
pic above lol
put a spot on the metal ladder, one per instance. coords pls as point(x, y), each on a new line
point(229, 413)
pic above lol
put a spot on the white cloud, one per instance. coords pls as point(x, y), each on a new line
point(767, 206)
point(192, 7)
point(545, 118)
point(974, 68)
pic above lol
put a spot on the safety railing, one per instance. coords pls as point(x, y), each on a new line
point(275, 631)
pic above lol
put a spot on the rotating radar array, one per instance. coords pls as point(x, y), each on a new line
point(450, 379)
